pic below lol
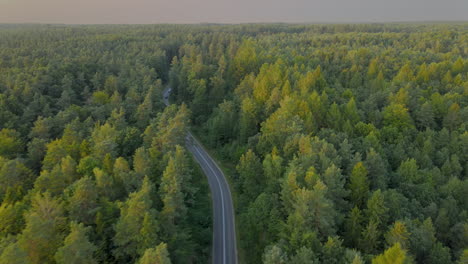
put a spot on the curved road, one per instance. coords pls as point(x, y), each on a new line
point(224, 232)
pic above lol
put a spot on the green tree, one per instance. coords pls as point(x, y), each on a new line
point(174, 208)
point(10, 143)
point(14, 254)
point(77, 249)
point(353, 227)
point(397, 115)
point(43, 235)
point(14, 174)
point(313, 210)
point(104, 141)
point(398, 233)
point(273, 170)
point(131, 224)
point(304, 256)
point(83, 201)
point(359, 185)
point(274, 255)
point(250, 174)
point(376, 210)
point(393, 255)
point(157, 255)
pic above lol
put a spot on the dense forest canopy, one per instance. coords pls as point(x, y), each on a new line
point(343, 143)
point(346, 143)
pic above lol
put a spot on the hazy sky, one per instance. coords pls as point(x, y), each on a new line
point(228, 11)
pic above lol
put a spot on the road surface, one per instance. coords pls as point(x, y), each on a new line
point(224, 232)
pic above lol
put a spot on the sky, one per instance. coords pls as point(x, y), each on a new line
point(232, 11)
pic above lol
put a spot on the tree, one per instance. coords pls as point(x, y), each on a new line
point(42, 235)
point(76, 249)
point(14, 174)
point(359, 185)
point(453, 119)
point(249, 120)
point(126, 178)
point(405, 74)
point(105, 183)
point(262, 223)
point(82, 201)
point(14, 254)
point(141, 164)
point(144, 111)
point(11, 218)
point(174, 208)
point(353, 227)
point(333, 251)
point(10, 143)
point(377, 170)
point(313, 210)
point(56, 180)
point(104, 141)
point(393, 255)
point(398, 234)
point(396, 115)
point(131, 224)
point(273, 170)
point(250, 174)
point(370, 238)
point(376, 210)
point(284, 123)
point(157, 255)
point(304, 256)
point(246, 59)
point(274, 255)
point(172, 126)
point(336, 192)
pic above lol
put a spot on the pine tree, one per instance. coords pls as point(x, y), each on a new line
point(353, 227)
point(274, 255)
point(157, 255)
point(304, 256)
point(131, 224)
point(82, 203)
point(42, 235)
point(398, 234)
point(14, 254)
point(359, 185)
point(393, 255)
point(174, 208)
point(76, 249)
point(250, 174)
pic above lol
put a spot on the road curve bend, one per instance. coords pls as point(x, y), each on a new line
point(224, 232)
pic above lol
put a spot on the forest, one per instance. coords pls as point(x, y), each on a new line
point(342, 143)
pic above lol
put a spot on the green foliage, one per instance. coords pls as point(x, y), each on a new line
point(356, 133)
point(43, 233)
point(393, 255)
point(83, 201)
point(132, 230)
point(10, 143)
point(274, 255)
point(250, 174)
point(157, 255)
point(359, 185)
point(76, 248)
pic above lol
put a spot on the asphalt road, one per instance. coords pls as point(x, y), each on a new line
point(224, 232)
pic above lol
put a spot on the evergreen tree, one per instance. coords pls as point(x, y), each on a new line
point(43, 235)
point(359, 185)
point(76, 249)
point(157, 255)
point(132, 235)
point(393, 255)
